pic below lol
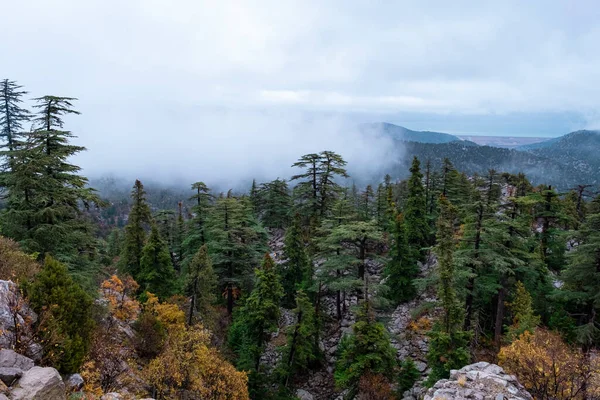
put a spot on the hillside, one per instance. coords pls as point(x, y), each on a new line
point(404, 134)
point(540, 168)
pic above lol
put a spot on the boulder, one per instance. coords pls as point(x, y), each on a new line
point(74, 383)
point(3, 397)
point(478, 381)
point(304, 395)
point(9, 297)
point(112, 396)
point(10, 359)
point(39, 384)
point(8, 374)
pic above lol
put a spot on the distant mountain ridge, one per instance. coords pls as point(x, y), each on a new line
point(563, 162)
point(401, 133)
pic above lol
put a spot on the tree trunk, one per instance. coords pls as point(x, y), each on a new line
point(500, 308)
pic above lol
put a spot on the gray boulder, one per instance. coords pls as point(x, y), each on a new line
point(111, 396)
point(304, 395)
point(8, 374)
point(10, 359)
point(74, 383)
point(39, 384)
point(9, 295)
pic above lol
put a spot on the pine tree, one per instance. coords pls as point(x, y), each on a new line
point(297, 271)
point(156, 274)
point(415, 212)
point(367, 350)
point(582, 276)
point(301, 350)
point(135, 232)
point(401, 271)
point(201, 285)
point(45, 191)
point(12, 116)
point(524, 318)
point(196, 231)
point(274, 203)
point(66, 323)
point(367, 198)
point(236, 242)
point(114, 243)
point(448, 348)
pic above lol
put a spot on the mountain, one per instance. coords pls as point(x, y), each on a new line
point(404, 134)
point(470, 159)
point(577, 150)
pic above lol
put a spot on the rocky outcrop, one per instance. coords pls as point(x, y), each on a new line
point(11, 359)
point(39, 384)
point(480, 381)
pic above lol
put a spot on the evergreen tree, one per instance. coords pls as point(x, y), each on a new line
point(524, 318)
point(297, 270)
point(45, 191)
point(401, 271)
point(156, 274)
point(274, 203)
point(306, 191)
point(448, 346)
point(196, 232)
point(12, 116)
point(135, 232)
point(367, 350)
point(201, 285)
point(301, 350)
point(367, 199)
point(114, 243)
point(415, 212)
point(582, 277)
point(66, 322)
point(236, 242)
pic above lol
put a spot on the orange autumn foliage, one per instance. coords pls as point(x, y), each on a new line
point(187, 366)
point(120, 295)
point(551, 369)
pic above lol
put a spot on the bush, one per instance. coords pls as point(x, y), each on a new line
point(14, 264)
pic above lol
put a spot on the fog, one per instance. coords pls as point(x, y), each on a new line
point(223, 147)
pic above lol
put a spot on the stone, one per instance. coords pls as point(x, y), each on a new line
point(39, 384)
point(304, 395)
point(9, 295)
point(9, 375)
point(11, 359)
point(74, 383)
point(3, 396)
point(112, 396)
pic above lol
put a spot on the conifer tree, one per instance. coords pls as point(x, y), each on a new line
point(274, 203)
point(415, 212)
point(66, 322)
point(135, 232)
point(301, 350)
point(114, 243)
point(45, 191)
point(367, 199)
point(196, 231)
point(156, 274)
point(524, 318)
point(448, 347)
point(297, 270)
point(201, 285)
point(401, 271)
point(366, 350)
point(12, 116)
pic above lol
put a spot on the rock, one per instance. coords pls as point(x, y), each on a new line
point(74, 383)
point(10, 359)
point(39, 384)
point(304, 395)
point(10, 295)
point(478, 381)
point(9, 375)
point(112, 396)
point(3, 397)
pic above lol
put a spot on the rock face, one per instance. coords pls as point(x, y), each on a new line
point(39, 384)
point(480, 381)
point(10, 359)
point(74, 382)
point(11, 304)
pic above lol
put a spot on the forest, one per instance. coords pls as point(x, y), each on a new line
point(292, 288)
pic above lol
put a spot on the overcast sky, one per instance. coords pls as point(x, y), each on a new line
point(200, 75)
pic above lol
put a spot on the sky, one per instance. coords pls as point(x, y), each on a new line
point(169, 86)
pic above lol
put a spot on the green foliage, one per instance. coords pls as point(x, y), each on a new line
point(407, 375)
point(401, 270)
point(156, 274)
point(12, 116)
point(45, 191)
point(115, 243)
point(201, 284)
point(273, 203)
point(301, 350)
point(297, 270)
point(65, 320)
point(447, 351)
point(196, 230)
point(366, 350)
point(135, 232)
point(415, 212)
point(524, 318)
